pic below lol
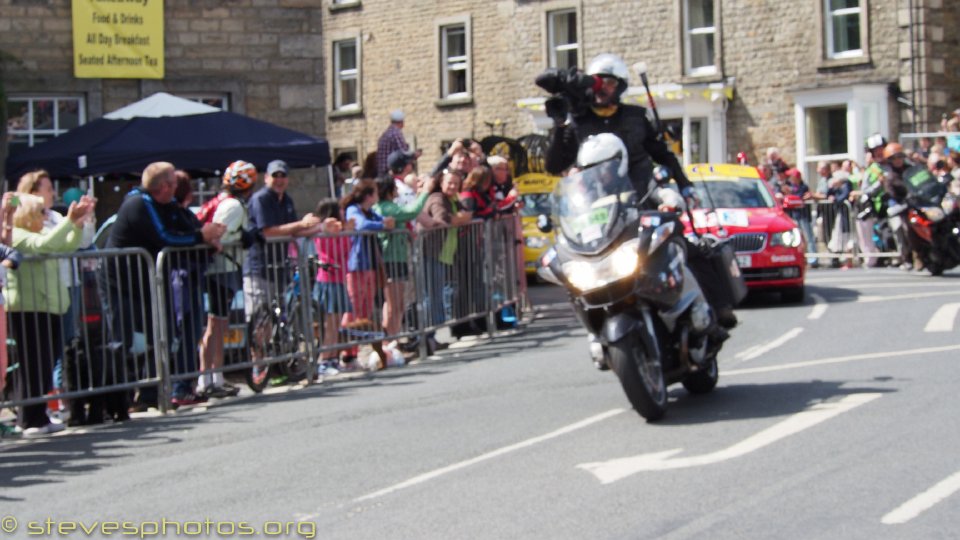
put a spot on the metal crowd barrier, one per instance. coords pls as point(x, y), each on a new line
point(139, 323)
point(833, 232)
point(100, 345)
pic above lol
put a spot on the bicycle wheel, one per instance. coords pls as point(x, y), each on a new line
point(290, 338)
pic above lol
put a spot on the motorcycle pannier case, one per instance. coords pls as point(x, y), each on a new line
point(716, 270)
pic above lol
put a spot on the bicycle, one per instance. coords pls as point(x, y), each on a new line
point(282, 322)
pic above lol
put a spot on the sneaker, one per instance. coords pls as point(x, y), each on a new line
point(218, 392)
point(10, 431)
point(230, 387)
point(328, 368)
point(49, 429)
point(188, 399)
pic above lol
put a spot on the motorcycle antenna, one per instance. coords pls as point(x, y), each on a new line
point(641, 69)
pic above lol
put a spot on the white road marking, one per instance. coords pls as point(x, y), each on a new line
point(819, 307)
point(617, 469)
point(924, 501)
point(759, 350)
point(839, 360)
point(942, 320)
point(490, 455)
point(868, 299)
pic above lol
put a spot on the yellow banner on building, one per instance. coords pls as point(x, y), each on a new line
point(118, 39)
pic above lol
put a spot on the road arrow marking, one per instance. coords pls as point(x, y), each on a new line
point(942, 320)
point(924, 501)
point(819, 307)
point(759, 350)
point(617, 469)
point(490, 455)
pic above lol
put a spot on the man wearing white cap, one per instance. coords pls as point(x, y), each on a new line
point(390, 141)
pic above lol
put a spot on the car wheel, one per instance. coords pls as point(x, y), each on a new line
point(793, 296)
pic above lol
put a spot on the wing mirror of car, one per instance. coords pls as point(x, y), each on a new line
point(544, 223)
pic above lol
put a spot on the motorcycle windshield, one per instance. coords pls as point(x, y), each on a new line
point(590, 205)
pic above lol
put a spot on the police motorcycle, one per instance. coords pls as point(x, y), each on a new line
point(932, 217)
point(626, 274)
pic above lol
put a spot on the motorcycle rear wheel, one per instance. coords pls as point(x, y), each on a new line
point(641, 377)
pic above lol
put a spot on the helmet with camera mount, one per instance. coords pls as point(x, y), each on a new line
point(611, 66)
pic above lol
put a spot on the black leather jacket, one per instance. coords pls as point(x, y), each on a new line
point(631, 124)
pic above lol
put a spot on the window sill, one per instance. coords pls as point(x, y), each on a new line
point(454, 102)
point(702, 79)
point(346, 113)
point(827, 63)
point(345, 6)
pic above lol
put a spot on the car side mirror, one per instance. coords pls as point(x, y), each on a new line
point(544, 223)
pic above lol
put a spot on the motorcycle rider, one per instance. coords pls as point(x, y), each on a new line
point(870, 195)
point(895, 189)
point(607, 77)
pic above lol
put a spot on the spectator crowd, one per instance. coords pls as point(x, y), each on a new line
point(361, 242)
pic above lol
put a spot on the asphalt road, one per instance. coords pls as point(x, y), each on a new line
point(832, 419)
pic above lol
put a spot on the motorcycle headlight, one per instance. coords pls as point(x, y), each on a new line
point(791, 238)
point(589, 275)
point(535, 242)
point(934, 213)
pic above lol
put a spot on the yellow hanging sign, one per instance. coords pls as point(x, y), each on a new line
point(118, 39)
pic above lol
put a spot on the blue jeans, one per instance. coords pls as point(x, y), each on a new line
point(434, 272)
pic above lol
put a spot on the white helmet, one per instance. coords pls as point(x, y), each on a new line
point(603, 147)
point(610, 65)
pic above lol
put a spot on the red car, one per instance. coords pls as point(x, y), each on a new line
point(737, 204)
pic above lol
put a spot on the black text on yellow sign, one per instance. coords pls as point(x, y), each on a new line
point(118, 39)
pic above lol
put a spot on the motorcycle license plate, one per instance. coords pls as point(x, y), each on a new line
point(744, 261)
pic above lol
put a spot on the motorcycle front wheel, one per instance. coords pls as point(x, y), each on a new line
point(641, 376)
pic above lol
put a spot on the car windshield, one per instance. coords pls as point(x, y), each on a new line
point(733, 193)
point(535, 204)
point(588, 203)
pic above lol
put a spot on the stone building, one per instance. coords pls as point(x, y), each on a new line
point(811, 77)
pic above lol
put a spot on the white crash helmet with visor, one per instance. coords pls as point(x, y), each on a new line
point(601, 148)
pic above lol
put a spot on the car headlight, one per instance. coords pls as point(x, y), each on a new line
point(934, 213)
point(589, 275)
point(535, 242)
point(791, 238)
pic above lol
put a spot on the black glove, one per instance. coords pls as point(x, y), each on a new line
point(557, 109)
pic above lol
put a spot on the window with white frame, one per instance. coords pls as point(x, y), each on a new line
point(699, 51)
point(455, 61)
point(842, 24)
point(564, 49)
point(220, 101)
point(33, 120)
point(832, 123)
point(346, 74)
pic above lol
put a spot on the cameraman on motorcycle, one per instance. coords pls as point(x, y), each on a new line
point(586, 104)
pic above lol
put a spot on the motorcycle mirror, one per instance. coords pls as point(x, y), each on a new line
point(661, 174)
point(544, 223)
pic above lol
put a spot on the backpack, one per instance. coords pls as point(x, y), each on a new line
point(209, 208)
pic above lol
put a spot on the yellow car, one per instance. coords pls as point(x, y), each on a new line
point(536, 192)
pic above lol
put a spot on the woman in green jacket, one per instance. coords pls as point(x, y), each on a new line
point(37, 298)
point(396, 248)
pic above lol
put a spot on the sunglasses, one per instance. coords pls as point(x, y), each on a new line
point(279, 175)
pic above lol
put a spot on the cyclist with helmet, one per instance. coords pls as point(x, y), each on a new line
point(229, 209)
point(605, 114)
